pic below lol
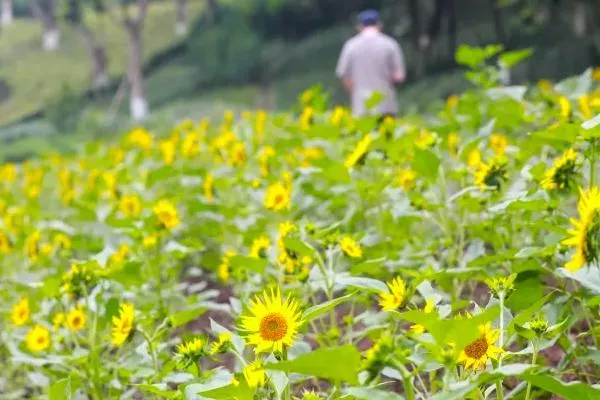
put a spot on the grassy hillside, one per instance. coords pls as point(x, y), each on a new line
point(35, 77)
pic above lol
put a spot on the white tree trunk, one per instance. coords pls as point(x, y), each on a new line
point(51, 39)
point(7, 13)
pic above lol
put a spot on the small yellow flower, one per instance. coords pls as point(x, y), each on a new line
point(477, 353)
point(20, 312)
point(192, 348)
point(259, 246)
point(350, 247)
point(208, 186)
point(474, 158)
point(306, 119)
point(221, 344)
point(58, 320)
point(585, 106)
point(168, 149)
point(425, 139)
point(498, 143)
point(453, 141)
point(62, 241)
point(150, 240)
point(272, 322)
point(585, 232)
point(544, 85)
point(130, 205)
point(123, 324)
point(120, 255)
point(490, 175)
point(190, 145)
point(565, 107)
point(407, 178)
point(5, 245)
point(255, 374)
point(452, 101)
point(358, 153)
point(277, 197)
point(561, 174)
point(37, 339)
point(392, 300)
point(596, 74)
point(166, 213)
point(223, 272)
point(237, 156)
point(141, 138)
point(76, 319)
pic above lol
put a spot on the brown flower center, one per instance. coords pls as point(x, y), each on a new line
point(76, 321)
point(477, 349)
point(273, 327)
point(41, 339)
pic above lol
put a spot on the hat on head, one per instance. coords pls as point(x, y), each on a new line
point(368, 17)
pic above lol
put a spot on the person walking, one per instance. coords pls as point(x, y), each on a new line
point(371, 61)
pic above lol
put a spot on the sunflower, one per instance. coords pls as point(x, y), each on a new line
point(585, 106)
point(208, 186)
point(453, 141)
point(166, 213)
point(141, 138)
point(585, 235)
point(560, 175)
point(490, 175)
point(223, 272)
point(350, 247)
point(425, 139)
point(168, 148)
point(123, 324)
point(359, 152)
point(130, 205)
point(221, 345)
point(565, 107)
point(191, 348)
point(407, 178)
point(476, 354)
point(254, 374)
point(498, 143)
point(277, 197)
point(392, 300)
point(5, 245)
point(37, 339)
point(272, 322)
point(259, 246)
point(76, 319)
point(58, 320)
point(20, 312)
point(474, 158)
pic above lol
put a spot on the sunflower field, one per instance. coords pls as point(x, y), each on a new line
point(313, 255)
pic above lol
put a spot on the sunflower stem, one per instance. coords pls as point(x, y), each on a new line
point(409, 390)
point(499, 389)
point(533, 360)
point(286, 391)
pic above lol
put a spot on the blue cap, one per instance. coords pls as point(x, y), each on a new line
point(368, 17)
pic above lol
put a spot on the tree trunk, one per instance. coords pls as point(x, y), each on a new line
point(498, 22)
point(138, 105)
point(181, 27)
point(50, 34)
point(7, 13)
point(98, 58)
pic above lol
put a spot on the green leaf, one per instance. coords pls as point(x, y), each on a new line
point(298, 246)
point(62, 389)
point(336, 172)
point(460, 331)
point(528, 289)
point(159, 389)
point(426, 164)
point(320, 309)
point(568, 391)
point(333, 363)
point(244, 262)
point(230, 392)
point(183, 317)
point(128, 274)
point(528, 313)
point(363, 283)
point(374, 100)
point(512, 58)
point(365, 393)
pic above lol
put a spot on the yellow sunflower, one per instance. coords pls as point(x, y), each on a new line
point(166, 212)
point(123, 324)
point(560, 175)
point(76, 319)
point(208, 186)
point(392, 300)
point(350, 247)
point(221, 344)
point(223, 271)
point(259, 246)
point(192, 347)
point(498, 143)
point(474, 158)
point(358, 153)
point(272, 322)
point(277, 197)
point(37, 339)
point(130, 205)
point(477, 353)
point(585, 233)
point(255, 374)
point(20, 312)
point(492, 175)
point(407, 178)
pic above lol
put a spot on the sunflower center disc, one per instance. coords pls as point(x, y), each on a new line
point(273, 327)
point(477, 349)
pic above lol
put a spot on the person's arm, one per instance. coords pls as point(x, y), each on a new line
point(343, 69)
point(397, 65)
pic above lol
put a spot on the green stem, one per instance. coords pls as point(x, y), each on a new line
point(499, 388)
point(286, 392)
point(533, 360)
point(152, 350)
point(409, 390)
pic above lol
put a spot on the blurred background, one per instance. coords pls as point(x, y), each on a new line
point(74, 70)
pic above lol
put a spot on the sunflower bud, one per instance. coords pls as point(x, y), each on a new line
point(501, 285)
point(539, 326)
